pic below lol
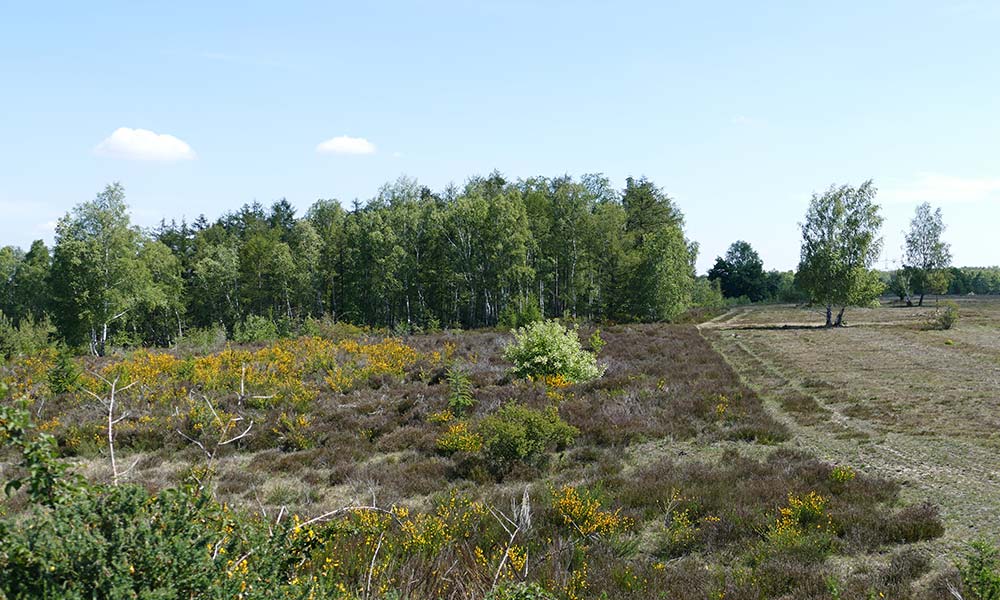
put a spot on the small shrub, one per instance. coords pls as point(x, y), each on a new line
point(547, 348)
point(842, 474)
point(202, 340)
point(512, 317)
point(293, 432)
point(596, 343)
point(981, 572)
point(946, 317)
point(26, 339)
point(327, 327)
point(460, 398)
point(517, 433)
point(582, 511)
point(520, 591)
point(458, 438)
point(64, 375)
point(255, 328)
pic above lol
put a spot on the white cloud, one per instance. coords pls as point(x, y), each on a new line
point(943, 189)
point(346, 145)
point(143, 144)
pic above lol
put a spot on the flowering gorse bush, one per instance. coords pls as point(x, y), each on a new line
point(547, 348)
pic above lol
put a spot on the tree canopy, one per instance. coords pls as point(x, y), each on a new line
point(927, 256)
point(741, 273)
point(840, 244)
point(410, 258)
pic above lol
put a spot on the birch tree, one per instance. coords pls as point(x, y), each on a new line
point(840, 244)
point(97, 274)
point(927, 256)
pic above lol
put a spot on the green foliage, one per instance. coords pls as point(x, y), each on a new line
point(26, 338)
point(101, 272)
point(521, 314)
point(981, 572)
point(840, 243)
point(927, 256)
point(202, 340)
point(548, 348)
point(64, 375)
point(460, 398)
point(520, 591)
point(740, 273)
point(41, 469)
point(706, 294)
point(255, 328)
point(325, 327)
point(492, 252)
point(947, 316)
point(596, 342)
point(516, 433)
point(122, 542)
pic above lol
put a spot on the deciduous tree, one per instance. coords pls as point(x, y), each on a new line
point(840, 243)
point(927, 256)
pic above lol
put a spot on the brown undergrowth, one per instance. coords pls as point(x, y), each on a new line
point(374, 420)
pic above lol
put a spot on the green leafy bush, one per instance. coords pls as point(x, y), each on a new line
point(202, 340)
point(547, 348)
point(947, 316)
point(520, 591)
point(981, 572)
point(513, 316)
point(255, 328)
point(64, 374)
point(39, 468)
point(329, 328)
point(122, 542)
point(517, 433)
point(460, 398)
point(26, 339)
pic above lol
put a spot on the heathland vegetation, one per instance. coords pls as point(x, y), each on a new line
point(494, 392)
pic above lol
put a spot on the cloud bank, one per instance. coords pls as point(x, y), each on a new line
point(346, 145)
point(143, 144)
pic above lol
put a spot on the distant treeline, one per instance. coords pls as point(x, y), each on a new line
point(974, 280)
point(491, 251)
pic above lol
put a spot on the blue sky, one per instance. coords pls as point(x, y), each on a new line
point(739, 110)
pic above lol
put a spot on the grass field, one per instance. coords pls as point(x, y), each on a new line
point(753, 456)
point(889, 395)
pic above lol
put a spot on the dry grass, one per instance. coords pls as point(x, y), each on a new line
point(669, 427)
point(889, 395)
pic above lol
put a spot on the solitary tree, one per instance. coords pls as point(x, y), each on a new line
point(740, 273)
point(927, 257)
point(840, 243)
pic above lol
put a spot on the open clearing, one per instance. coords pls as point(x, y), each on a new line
point(887, 395)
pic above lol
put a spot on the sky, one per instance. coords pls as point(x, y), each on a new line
point(740, 111)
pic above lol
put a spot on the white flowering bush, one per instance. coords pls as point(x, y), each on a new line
point(546, 348)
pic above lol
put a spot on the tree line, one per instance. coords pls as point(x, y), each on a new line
point(493, 250)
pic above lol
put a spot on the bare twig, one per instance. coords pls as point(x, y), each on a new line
point(371, 567)
point(109, 402)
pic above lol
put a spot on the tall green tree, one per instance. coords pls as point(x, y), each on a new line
point(97, 274)
point(661, 259)
point(840, 244)
point(740, 273)
point(11, 258)
point(927, 255)
point(159, 315)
